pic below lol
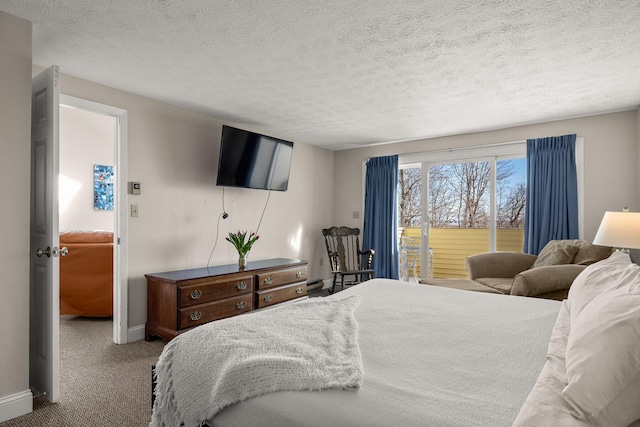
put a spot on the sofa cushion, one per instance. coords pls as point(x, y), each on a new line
point(498, 264)
point(501, 284)
point(588, 253)
point(86, 237)
point(552, 281)
point(556, 252)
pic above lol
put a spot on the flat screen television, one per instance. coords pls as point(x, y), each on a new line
point(252, 160)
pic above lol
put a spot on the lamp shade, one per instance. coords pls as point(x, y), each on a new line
point(619, 230)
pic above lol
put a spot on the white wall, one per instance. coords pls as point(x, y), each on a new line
point(86, 139)
point(174, 153)
point(15, 131)
point(611, 162)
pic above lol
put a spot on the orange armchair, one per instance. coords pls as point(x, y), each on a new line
point(86, 274)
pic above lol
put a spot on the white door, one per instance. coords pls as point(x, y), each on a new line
point(44, 264)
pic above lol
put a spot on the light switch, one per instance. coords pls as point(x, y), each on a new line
point(134, 211)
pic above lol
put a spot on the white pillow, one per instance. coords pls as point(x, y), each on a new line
point(597, 278)
point(603, 358)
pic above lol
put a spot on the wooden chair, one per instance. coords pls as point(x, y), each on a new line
point(343, 248)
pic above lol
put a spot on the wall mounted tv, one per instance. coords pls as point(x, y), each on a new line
point(252, 160)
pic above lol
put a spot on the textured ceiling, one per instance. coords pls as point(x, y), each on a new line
point(347, 73)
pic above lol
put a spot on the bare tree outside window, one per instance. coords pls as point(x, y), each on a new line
point(511, 194)
point(511, 201)
point(410, 189)
point(471, 183)
point(459, 196)
point(443, 210)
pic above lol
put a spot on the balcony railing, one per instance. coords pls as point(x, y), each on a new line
point(450, 247)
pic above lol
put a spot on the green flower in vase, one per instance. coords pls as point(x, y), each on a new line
point(242, 242)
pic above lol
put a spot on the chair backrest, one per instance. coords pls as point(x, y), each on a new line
point(410, 245)
point(343, 248)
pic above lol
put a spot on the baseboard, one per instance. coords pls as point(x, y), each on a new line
point(16, 405)
point(135, 333)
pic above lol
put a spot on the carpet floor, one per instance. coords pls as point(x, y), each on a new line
point(101, 383)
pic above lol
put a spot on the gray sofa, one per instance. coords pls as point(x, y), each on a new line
point(548, 275)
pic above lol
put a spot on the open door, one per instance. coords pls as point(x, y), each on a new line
point(44, 351)
point(120, 318)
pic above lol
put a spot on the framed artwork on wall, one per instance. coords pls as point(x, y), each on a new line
point(103, 187)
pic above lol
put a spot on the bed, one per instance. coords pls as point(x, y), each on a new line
point(430, 356)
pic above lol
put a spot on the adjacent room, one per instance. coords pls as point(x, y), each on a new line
point(308, 214)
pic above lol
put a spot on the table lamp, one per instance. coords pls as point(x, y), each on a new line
point(619, 230)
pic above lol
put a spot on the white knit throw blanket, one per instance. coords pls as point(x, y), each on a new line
point(310, 345)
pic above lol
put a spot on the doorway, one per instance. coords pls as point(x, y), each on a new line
point(93, 135)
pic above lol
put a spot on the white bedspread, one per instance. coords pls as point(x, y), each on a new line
point(311, 345)
point(432, 356)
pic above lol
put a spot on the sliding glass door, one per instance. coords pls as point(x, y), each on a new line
point(450, 209)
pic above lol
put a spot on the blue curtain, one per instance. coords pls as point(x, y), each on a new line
point(380, 215)
point(552, 192)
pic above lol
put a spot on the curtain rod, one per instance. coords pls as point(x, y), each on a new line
point(451, 149)
point(448, 150)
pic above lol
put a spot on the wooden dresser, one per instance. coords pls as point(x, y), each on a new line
point(180, 300)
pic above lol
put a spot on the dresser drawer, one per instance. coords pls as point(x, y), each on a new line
point(209, 290)
point(282, 277)
point(277, 295)
point(203, 313)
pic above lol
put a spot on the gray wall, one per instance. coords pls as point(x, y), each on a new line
point(86, 139)
point(611, 153)
point(15, 131)
point(174, 153)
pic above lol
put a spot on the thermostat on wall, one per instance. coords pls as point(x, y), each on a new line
point(134, 188)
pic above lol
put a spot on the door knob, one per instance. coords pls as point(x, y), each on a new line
point(64, 251)
point(47, 252)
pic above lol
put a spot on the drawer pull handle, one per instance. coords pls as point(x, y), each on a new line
point(241, 286)
point(241, 305)
point(299, 274)
point(268, 280)
point(299, 290)
point(196, 294)
point(196, 315)
point(268, 298)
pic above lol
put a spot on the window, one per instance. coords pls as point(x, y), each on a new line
point(461, 203)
